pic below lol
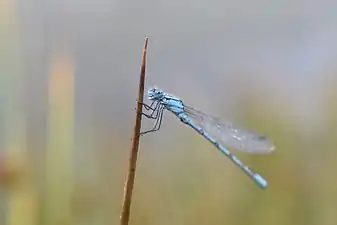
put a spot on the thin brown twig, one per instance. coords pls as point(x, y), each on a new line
point(125, 214)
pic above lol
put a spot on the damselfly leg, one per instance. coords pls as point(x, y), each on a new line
point(152, 110)
point(150, 107)
point(158, 111)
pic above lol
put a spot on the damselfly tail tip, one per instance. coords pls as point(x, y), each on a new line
point(261, 181)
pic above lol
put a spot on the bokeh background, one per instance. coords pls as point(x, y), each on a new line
point(69, 77)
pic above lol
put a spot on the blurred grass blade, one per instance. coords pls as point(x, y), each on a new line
point(60, 141)
point(22, 208)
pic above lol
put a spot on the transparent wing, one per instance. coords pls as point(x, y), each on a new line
point(230, 135)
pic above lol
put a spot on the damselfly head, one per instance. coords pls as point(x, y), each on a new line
point(155, 94)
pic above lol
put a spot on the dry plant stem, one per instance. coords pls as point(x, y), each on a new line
point(125, 214)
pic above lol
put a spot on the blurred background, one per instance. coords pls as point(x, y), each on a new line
point(69, 73)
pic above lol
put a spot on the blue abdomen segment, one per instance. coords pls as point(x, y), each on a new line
point(255, 176)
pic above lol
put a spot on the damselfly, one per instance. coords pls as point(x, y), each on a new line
point(220, 134)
